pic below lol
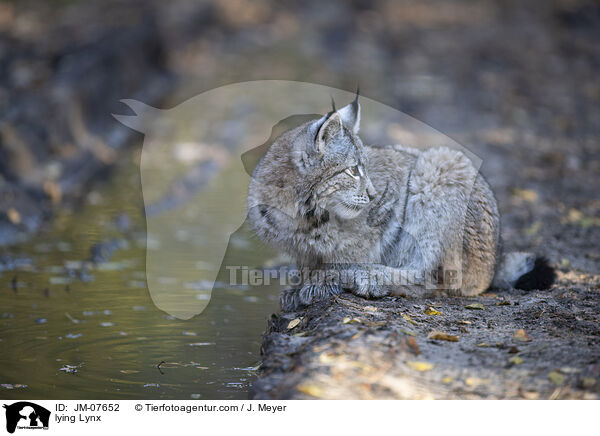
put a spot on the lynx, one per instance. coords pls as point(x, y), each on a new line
point(380, 220)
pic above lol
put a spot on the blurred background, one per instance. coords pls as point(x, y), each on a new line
point(517, 83)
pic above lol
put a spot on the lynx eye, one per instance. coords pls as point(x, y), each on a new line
point(354, 172)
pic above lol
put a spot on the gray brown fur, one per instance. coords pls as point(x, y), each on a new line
point(337, 205)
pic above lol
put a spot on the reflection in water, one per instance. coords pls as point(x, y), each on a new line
point(77, 321)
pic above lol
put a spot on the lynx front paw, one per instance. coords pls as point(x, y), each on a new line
point(294, 299)
point(290, 300)
point(370, 290)
point(311, 292)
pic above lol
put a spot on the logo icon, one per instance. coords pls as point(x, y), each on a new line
point(196, 166)
point(26, 415)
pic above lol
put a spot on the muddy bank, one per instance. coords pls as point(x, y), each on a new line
point(513, 345)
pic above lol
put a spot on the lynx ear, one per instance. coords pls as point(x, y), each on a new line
point(331, 127)
point(351, 114)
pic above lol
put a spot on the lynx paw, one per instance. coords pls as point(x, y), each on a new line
point(370, 290)
point(294, 299)
point(290, 300)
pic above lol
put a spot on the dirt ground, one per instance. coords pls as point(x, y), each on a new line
point(537, 345)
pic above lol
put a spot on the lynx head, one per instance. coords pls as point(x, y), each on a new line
point(331, 160)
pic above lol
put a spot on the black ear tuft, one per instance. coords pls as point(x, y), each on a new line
point(541, 277)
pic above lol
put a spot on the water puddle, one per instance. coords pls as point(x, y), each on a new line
point(77, 321)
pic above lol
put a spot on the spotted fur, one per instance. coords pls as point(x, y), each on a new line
point(334, 204)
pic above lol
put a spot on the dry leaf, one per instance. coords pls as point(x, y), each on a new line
point(414, 346)
point(557, 378)
point(409, 319)
point(370, 308)
point(53, 191)
point(432, 311)
point(530, 395)
point(574, 215)
point(474, 381)
point(419, 366)
point(483, 344)
point(327, 357)
point(13, 215)
point(447, 380)
point(408, 332)
point(293, 323)
point(526, 194)
point(348, 320)
point(516, 360)
point(521, 335)
point(442, 336)
point(475, 306)
point(565, 263)
point(534, 228)
point(577, 217)
point(312, 390)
